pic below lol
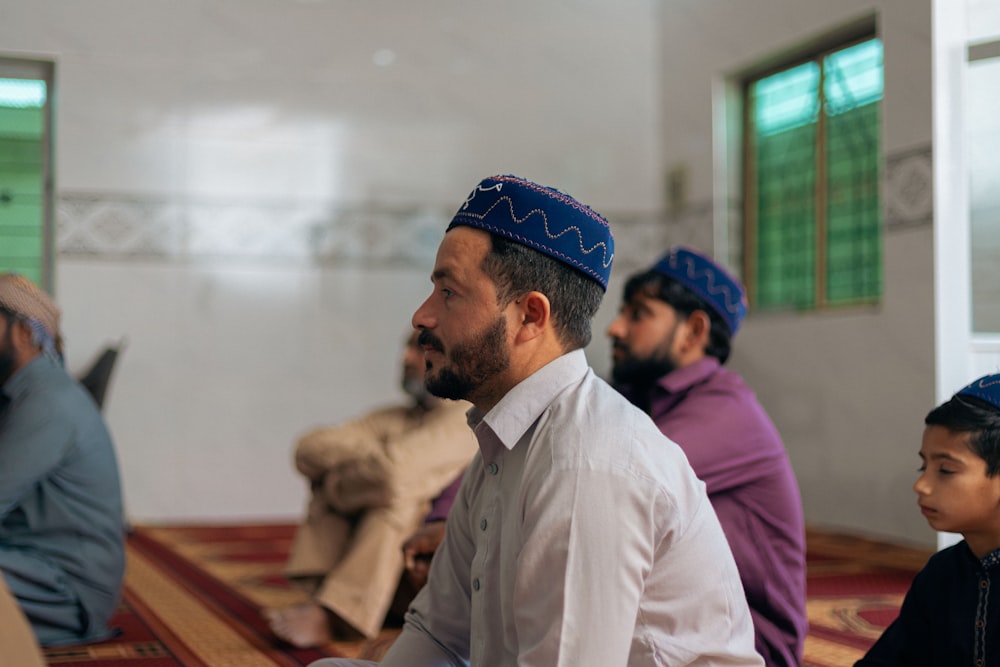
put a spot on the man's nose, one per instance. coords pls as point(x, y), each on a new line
point(617, 327)
point(422, 317)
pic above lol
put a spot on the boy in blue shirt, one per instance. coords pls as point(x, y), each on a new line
point(949, 616)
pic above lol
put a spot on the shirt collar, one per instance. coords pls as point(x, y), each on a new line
point(521, 407)
point(990, 560)
point(688, 376)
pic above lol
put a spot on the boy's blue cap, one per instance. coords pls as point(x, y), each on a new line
point(544, 219)
point(986, 388)
point(703, 276)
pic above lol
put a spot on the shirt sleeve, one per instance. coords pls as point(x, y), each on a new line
point(907, 640)
point(587, 543)
point(34, 438)
point(323, 448)
point(415, 647)
point(437, 627)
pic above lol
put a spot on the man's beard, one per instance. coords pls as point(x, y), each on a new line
point(470, 364)
point(641, 373)
point(637, 372)
point(417, 390)
point(8, 358)
point(635, 378)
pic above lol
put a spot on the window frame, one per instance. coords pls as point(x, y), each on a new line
point(41, 70)
point(849, 37)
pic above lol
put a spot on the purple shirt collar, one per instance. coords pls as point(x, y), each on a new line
point(688, 376)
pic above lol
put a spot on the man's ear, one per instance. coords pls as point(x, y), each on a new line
point(22, 340)
point(535, 316)
point(21, 332)
point(699, 329)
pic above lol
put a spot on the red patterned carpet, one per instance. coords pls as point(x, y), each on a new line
point(854, 588)
point(193, 596)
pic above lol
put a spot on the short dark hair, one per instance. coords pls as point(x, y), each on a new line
point(978, 418)
point(574, 297)
point(685, 302)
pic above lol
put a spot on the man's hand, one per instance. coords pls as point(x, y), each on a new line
point(419, 549)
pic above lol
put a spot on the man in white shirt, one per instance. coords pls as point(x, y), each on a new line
point(580, 535)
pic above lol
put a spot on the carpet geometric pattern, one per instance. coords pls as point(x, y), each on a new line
point(854, 588)
point(193, 596)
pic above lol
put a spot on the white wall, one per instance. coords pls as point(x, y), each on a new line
point(848, 389)
point(225, 365)
point(254, 201)
point(252, 191)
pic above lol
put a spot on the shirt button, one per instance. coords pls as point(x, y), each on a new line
point(482, 524)
point(475, 584)
point(493, 468)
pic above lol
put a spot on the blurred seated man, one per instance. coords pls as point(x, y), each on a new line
point(373, 481)
point(62, 535)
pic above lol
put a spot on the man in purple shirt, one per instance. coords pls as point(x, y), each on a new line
point(670, 342)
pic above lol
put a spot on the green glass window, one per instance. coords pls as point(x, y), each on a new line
point(813, 166)
point(22, 177)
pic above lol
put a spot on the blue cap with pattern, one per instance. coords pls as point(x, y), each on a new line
point(544, 219)
point(986, 388)
point(703, 276)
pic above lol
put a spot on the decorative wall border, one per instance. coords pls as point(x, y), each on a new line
point(111, 226)
point(127, 227)
point(120, 227)
point(908, 189)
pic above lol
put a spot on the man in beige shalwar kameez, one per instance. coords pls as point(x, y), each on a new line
point(373, 480)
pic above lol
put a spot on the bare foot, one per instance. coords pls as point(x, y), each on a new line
point(303, 626)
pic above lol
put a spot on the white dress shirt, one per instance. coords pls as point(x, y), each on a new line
point(580, 536)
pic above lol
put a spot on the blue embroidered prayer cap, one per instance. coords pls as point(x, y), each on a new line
point(703, 276)
point(986, 388)
point(544, 219)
